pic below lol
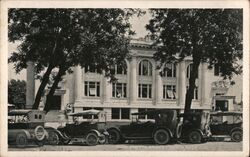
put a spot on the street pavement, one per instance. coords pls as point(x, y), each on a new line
point(209, 146)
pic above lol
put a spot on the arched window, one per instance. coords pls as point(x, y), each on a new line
point(189, 70)
point(169, 70)
point(145, 68)
point(119, 69)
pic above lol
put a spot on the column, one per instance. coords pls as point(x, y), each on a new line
point(30, 85)
point(204, 85)
point(78, 83)
point(182, 83)
point(158, 87)
point(133, 81)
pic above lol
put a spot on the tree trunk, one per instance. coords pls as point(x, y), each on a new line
point(42, 87)
point(57, 79)
point(190, 91)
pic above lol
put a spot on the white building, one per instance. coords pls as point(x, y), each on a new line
point(139, 87)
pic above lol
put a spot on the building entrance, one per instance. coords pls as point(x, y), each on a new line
point(56, 102)
point(221, 105)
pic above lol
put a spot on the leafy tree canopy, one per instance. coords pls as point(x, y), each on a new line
point(212, 36)
point(64, 38)
point(17, 92)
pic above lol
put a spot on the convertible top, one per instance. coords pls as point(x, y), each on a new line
point(189, 114)
point(85, 112)
point(18, 112)
point(226, 113)
point(157, 111)
point(22, 112)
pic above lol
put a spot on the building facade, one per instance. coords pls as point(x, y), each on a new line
point(140, 87)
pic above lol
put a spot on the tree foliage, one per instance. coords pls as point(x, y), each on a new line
point(17, 92)
point(64, 38)
point(212, 36)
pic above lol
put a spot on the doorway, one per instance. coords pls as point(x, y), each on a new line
point(221, 105)
point(56, 102)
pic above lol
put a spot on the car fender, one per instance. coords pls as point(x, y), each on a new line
point(115, 128)
point(167, 129)
point(236, 128)
point(199, 130)
point(27, 133)
point(95, 131)
point(59, 133)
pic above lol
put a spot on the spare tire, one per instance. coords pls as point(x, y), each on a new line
point(39, 133)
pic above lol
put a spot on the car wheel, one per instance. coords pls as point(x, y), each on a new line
point(92, 139)
point(236, 136)
point(53, 138)
point(194, 137)
point(21, 140)
point(161, 137)
point(114, 136)
point(102, 139)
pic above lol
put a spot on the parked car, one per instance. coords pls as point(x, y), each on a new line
point(227, 124)
point(26, 126)
point(161, 129)
point(195, 127)
point(88, 127)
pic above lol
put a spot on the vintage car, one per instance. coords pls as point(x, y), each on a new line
point(26, 127)
point(195, 127)
point(227, 124)
point(87, 127)
point(162, 128)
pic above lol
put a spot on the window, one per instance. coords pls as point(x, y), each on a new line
point(125, 113)
point(36, 117)
point(92, 89)
point(217, 70)
point(189, 70)
point(169, 70)
point(145, 68)
point(144, 91)
point(119, 69)
point(90, 69)
point(195, 93)
point(120, 113)
point(119, 90)
point(91, 116)
point(169, 92)
point(148, 116)
point(40, 116)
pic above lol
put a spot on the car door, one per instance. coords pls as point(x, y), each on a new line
point(139, 129)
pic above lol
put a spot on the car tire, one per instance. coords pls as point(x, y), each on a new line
point(92, 139)
point(236, 136)
point(161, 137)
point(114, 136)
point(102, 139)
point(21, 140)
point(53, 138)
point(195, 137)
